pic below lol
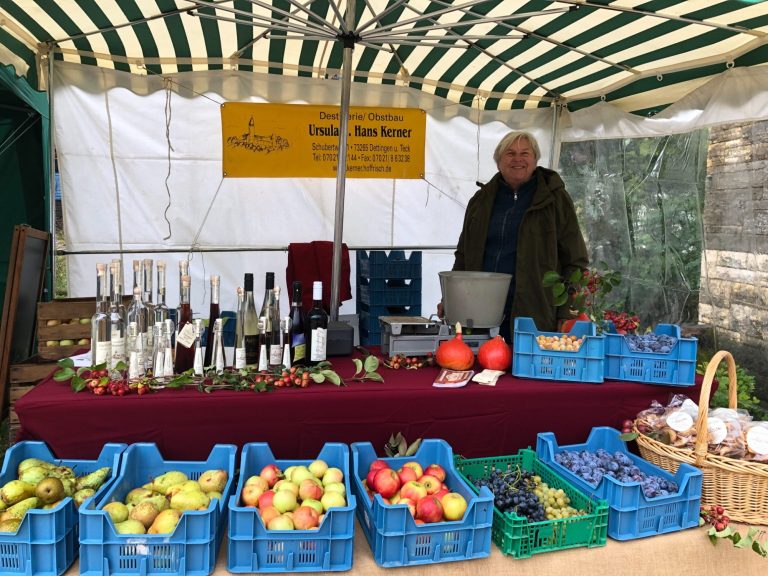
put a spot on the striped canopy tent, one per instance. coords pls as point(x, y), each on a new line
point(493, 54)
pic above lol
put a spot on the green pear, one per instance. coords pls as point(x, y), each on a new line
point(93, 480)
point(34, 474)
point(163, 482)
point(19, 509)
point(130, 527)
point(29, 462)
point(160, 501)
point(117, 511)
point(3, 505)
point(183, 487)
point(145, 512)
point(82, 495)
point(69, 486)
point(213, 495)
point(165, 523)
point(16, 491)
point(49, 490)
point(10, 525)
point(62, 472)
point(137, 495)
point(148, 486)
point(213, 480)
point(190, 500)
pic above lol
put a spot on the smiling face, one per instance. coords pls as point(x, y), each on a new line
point(517, 162)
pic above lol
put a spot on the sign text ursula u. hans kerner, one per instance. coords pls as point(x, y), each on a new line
point(294, 140)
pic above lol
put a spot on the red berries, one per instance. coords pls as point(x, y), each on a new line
point(715, 515)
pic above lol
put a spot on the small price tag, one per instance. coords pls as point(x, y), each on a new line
point(757, 439)
point(716, 430)
point(679, 421)
point(186, 336)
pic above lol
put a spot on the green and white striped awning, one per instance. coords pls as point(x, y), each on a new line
point(483, 53)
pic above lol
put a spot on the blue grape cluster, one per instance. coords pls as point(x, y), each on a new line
point(593, 466)
point(513, 491)
point(655, 343)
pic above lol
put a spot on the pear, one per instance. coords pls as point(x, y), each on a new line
point(117, 511)
point(62, 472)
point(16, 491)
point(34, 474)
point(69, 486)
point(145, 512)
point(93, 480)
point(10, 525)
point(137, 495)
point(19, 509)
point(148, 486)
point(49, 490)
point(190, 500)
point(163, 482)
point(183, 487)
point(213, 480)
point(165, 522)
point(51, 505)
point(3, 505)
point(29, 462)
point(213, 495)
point(82, 495)
point(160, 501)
point(130, 527)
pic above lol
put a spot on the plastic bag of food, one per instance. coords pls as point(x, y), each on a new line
point(756, 440)
point(725, 436)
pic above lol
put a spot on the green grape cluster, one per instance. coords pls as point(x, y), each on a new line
point(555, 501)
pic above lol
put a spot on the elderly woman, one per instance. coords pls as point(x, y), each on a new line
point(523, 223)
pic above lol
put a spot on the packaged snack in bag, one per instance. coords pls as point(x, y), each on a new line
point(679, 420)
point(724, 426)
point(756, 439)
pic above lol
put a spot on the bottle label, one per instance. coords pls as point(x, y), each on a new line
point(150, 339)
point(263, 357)
point(102, 353)
point(299, 347)
point(198, 365)
point(159, 368)
point(168, 362)
point(318, 345)
point(275, 355)
point(186, 336)
point(118, 350)
point(219, 354)
point(133, 366)
point(239, 358)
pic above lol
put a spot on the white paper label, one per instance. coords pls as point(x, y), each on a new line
point(118, 350)
point(219, 360)
point(263, 358)
point(757, 439)
point(159, 369)
point(275, 355)
point(168, 362)
point(716, 430)
point(679, 421)
point(319, 338)
point(102, 353)
point(198, 365)
point(239, 358)
point(133, 366)
point(186, 336)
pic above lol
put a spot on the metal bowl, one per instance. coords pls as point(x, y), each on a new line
point(474, 298)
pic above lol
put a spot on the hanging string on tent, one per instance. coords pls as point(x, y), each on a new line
point(167, 87)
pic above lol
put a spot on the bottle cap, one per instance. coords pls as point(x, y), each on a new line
point(248, 282)
point(185, 281)
point(215, 279)
point(317, 290)
point(161, 264)
point(270, 281)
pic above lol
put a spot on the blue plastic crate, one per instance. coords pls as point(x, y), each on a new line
point(46, 541)
point(529, 360)
point(631, 514)
point(392, 533)
point(374, 312)
point(370, 337)
point(389, 292)
point(379, 264)
point(190, 549)
point(674, 368)
point(253, 548)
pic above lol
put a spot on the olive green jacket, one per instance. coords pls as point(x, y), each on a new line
point(549, 239)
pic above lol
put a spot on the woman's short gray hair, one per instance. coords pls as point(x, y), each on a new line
point(513, 137)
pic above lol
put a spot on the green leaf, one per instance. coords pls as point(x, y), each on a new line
point(724, 533)
point(371, 363)
point(558, 289)
point(628, 437)
point(753, 532)
point(77, 384)
point(373, 376)
point(358, 365)
point(64, 374)
point(332, 377)
point(550, 278)
point(562, 299)
point(83, 369)
point(576, 277)
point(121, 365)
point(757, 547)
point(66, 363)
point(317, 377)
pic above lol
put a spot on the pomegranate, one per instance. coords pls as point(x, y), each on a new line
point(454, 354)
point(494, 354)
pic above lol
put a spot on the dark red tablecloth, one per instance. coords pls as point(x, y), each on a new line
point(475, 420)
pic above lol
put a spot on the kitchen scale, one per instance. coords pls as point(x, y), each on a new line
point(419, 336)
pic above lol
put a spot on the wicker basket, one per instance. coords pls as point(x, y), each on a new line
point(739, 486)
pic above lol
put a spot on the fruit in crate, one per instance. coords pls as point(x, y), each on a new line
point(454, 354)
point(494, 354)
point(560, 343)
point(650, 343)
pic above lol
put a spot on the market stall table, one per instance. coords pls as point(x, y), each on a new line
point(475, 420)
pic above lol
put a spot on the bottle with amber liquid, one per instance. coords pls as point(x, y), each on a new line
point(213, 315)
point(185, 341)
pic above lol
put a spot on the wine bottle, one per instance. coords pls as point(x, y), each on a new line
point(146, 298)
point(250, 324)
point(116, 318)
point(297, 338)
point(101, 328)
point(185, 340)
point(239, 355)
point(213, 315)
point(271, 315)
point(317, 326)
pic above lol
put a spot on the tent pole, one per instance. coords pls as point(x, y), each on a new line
point(554, 153)
point(341, 170)
point(51, 172)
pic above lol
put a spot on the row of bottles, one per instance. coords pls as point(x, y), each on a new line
point(144, 337)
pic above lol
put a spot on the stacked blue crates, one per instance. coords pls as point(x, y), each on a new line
point(388, 284)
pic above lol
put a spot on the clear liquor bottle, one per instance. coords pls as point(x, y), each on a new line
point(161, 308)
point(197, 363)
point(135, 352)
point(137, 314)
point(185, 339)
point(263, 348)
point(119, 285)
point(317, 326)
point(285, 332)
point(239, 352)
point(147, 270)
point(270, 312)
point(219, 360)
point(250, 324)
point(298, 337)
point(213, 315)
point(116, 317)
point(158, 350)
point(101, 329)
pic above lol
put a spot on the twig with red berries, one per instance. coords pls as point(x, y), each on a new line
point(410, 362)
point(720, 528)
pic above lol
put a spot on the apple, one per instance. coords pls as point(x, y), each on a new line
point(50, 343)
point(52, 322)
point(411, 505)
point(413, 490)
point(288, 471)
point(332, 475)
point(286, 485)
point(84, 341)
point(416, 468)
point(437, 471)
point(406, 474)
point(300, 473)
point(454, 506)
point(429, 509)
point(268, 513)
point(85, 320)
point(336, 487)
point(431, 483)
point(386, 482)
point(250, 495)
point(305, 518)
point(318, 468)
point(332, 500)
point(258, 481)
point(66, 342)
point(266, 498)
point(309, 490)
point(440, 493)
point(271, 474)
point(281, 522)
point(312, 503)
point(285, 501)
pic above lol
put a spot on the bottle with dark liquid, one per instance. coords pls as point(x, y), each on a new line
point(250, 324)
point(185, 341)
point(297, 337)
point(317, 326)
point(213, 315)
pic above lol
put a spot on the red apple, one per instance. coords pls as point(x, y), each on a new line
point(413, 490)
point(411, 505)
point(305, 517)
point(271, 474)
point(429, 509)
point(258, 481)
point(265, 499)
point(309, 490)
point(454, 506)
point(436, 470)
point(378, 464)
point(431, 483)
point(386, 482)
point(416, 468)
point(250, 495)
point(440, 493)
point(406, 474)
point(268, 513)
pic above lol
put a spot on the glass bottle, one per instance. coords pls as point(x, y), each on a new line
point(161, 308)
point(270, 312)
point(197, 363)
point(137, 312)
point(146, 298)
point(101, 329)
point(285, 332)
point(213, 315)
point(298, 338)
point(116, 318)
point(168, 331)
point(239, 355)
point(135, 352)
point(118, 267)
point(317, 326)
point(185, 339)
point(158, 350)
point(250, 324)
point(219, 359)
point(183, 271)
point(263, 346)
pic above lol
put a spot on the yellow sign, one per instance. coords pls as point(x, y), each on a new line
point(302, 141)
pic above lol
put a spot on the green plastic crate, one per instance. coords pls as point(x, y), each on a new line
point(519, 538)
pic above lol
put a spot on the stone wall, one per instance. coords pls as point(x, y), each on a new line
point(734, 287)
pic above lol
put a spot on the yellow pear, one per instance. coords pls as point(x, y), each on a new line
point(117, 511)
point(19, 509)
point(165, 522)
point(130, 527)
point(145, 512)
point(190, 500)
point(29, 462)
point(185, 486)
point(15, 491)
point(10, 525)
point(163, 482)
